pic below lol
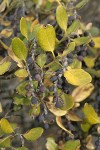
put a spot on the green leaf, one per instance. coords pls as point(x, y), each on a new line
point(41, 60)
point(21, 100)
point(81, 4)
point(82, 40)
point(33, 134)
point(76, 64)
point(35, 110)
point(21, 73)
point(6, 142)
point(4, 66)
point(51, 144)
point(6, 126)
point(89, 61)
point(74, 27)
point(77, 77)
point(68, 101)
point(19, 48)
point(61, 17)
point(90, 114)
point(72, 145)
point(24, 27)
point(46, 37)
point(85, 126)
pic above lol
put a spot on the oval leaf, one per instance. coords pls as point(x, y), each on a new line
point(41, 60)
point(19, 48)
point(61, 17)
point(21, 73)
point(5, 126)
point(72, 145)
point(4, 66)
point(90, 114)
point(46, 37)
point(82, 92)
point(6, 142)
point(24, 27)
point(77, 77)
point(51, 144)
point(33, 134)
point(74, 27)
point(82, 40)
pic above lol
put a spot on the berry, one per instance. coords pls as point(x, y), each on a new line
point(91, 43)
point(53, 79)
point(34, 100)
point(42, 88)
point(80, 58)
point(86, 33)
point(27, 87)
point(41, 118)
point(37, 77)
point(46, 126)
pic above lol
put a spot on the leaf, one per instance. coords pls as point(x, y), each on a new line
point(90, 114)
point(73, 117)
point(6, 142)
point(97, 42)
point(85, 126)
point(21, 73)
point(6, 126)
point(74, 27)
point(93, 72)
point(24, 27)
point(59, 123)
point(76, 64)
point(33, 134)
point(70, 48)
point(51, 144)
point(61, 17)
point(19, 48)
point(6, 33)
point(72, 145)
point(0, 108)
point(82, 92)
point(4, 65)
point(41, 60)
point(21, 100)
point(2, 6)
point(89, 61)
point(81, 4)
point(35, 22)
point(77, 77)
point(82, 40)
point(46, 37)
point(56, 111)
point(68, 101)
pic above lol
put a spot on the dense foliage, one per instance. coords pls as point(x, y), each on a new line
point(55, 62)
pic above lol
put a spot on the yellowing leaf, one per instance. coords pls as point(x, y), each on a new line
point(6, 33)
point(0, 108)
point(77, 77)
point(46, 37)
point(56, 111)
point(72, 145)
point(33, 134)
point(35, 22)
point(24, 27)
point(4, 66)
point(89, 61)
point(2, 6)
point(97, 42)
point(82, 40)
point(90, 114)
point(61, 17)
point(59, 123)
point(81, 4)
point(51, 144)
point(85, 126)
point(5, 126)
point(73, 117)
point(82, 92)
point(76, 64)
point(21, 73)
point(19, 48)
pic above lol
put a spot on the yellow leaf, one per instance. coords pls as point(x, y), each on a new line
point(4, 65)
point(97, 42)
point(73, 117)
point(24, 27)
point(89, 61)
point(59, 123)
point(82, 92)
point(6, 127)
point(61, 17)
point(21, 73)
point(77, 77)
point(35, 22)
point(6, 33)
point(46, 37)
